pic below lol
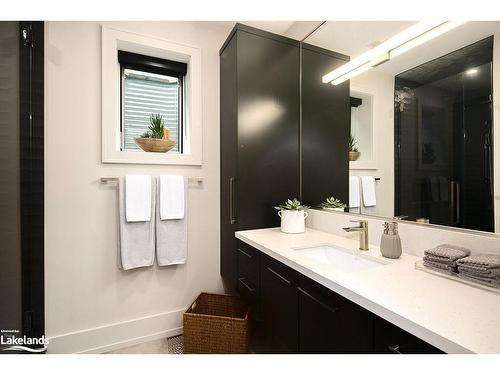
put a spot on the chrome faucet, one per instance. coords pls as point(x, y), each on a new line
point(363, 233)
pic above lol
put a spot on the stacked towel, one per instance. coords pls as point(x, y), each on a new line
point(481, 268)
point(444, 257)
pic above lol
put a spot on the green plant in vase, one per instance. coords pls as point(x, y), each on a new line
point(332, 203)
point(353, 149)
point(157, 126)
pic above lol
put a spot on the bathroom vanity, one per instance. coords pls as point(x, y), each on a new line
point(317, 293)
point(286, 133)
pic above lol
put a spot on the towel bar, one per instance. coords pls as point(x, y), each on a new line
point(191, 180)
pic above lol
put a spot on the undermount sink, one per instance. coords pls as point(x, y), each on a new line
point(343, 259)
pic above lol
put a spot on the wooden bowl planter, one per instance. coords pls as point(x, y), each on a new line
point(155, 144)
point(353, 155)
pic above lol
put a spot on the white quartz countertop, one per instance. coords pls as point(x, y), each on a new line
point(454, 317)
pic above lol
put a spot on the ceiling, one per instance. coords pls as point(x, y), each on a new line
point(355, 37)
point(352, 38)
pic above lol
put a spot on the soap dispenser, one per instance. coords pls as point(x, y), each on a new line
point(390, 243)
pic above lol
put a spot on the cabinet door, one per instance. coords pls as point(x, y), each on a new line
point(279, 305)
point(228, 165)
point(268, 128)
point(391, 339)
point(329, 323)
point(248, 276)
point(325, 128)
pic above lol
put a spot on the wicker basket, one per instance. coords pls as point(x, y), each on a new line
point(216, 323)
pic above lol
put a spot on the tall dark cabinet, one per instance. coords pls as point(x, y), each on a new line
point(283, 133)
point(325, 127)
point(259, 149)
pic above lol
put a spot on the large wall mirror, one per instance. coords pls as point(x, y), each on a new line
point(424, 142)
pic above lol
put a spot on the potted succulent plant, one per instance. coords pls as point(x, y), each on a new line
point(332, 203)
point(353, 150)
point(157, 138)
point(293, 216)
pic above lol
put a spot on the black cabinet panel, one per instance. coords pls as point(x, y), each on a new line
point(279, 305)
point(389, 338)
point(325, 128)
point(268, 128)
point(228, 162)
point(248, 262)
point(329, 323)
point(259, 149)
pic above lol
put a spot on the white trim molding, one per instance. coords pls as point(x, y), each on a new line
point(113, 40)
point(118, 335)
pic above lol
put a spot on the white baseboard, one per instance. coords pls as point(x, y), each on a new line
point(118, 335)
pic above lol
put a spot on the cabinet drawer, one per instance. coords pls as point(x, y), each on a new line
point(248, 263)
point(248, 291)
point(329, 323)
point(391, 339)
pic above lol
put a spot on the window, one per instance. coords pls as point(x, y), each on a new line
point(149, 86)
point(151, 66)
point(361, 126)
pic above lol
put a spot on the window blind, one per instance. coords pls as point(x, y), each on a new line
point(141, 98)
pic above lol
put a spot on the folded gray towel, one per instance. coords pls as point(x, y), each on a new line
point(447, 252)
point(483, 261)
point(439, 267)
point(495, 283)
point(479, 271)
point(433, 258)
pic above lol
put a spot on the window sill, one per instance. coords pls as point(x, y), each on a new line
point(141, 157)
point(363, 164)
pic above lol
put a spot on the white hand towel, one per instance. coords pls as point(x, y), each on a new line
point(138, 197)
point(137, 239)
point(354, 196)
point(171, 236)
point(171, 197)
point(368, 187)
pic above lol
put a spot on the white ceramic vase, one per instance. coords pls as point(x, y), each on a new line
point(293, 221)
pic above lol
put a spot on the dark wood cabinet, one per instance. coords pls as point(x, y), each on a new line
point(390, 339)
point(295, 314)
point(248, 284)
point(279, 302)
point(326, 119)
point(259, 149)
point(329, 323)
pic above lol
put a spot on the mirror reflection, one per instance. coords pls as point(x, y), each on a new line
point(421, 144)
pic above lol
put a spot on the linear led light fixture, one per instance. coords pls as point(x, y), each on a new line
point(400, 43)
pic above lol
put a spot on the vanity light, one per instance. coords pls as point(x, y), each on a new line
point(400, 43)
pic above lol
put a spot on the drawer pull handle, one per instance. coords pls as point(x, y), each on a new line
point(394, 348)
point(249, 256)
point(324, 305)
point(250, 289)
point(278, 275)
point(232, 218)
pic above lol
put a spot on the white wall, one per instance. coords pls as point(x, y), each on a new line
point(381, 86)
point(91, 305)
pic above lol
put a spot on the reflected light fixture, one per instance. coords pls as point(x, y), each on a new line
point(406, 40)
point(471, 71)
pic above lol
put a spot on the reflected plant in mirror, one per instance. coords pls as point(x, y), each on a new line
point(332, 203)
point(353, 149)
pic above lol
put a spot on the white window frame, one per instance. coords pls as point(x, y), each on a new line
point(373, 162)
point(112, 41)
